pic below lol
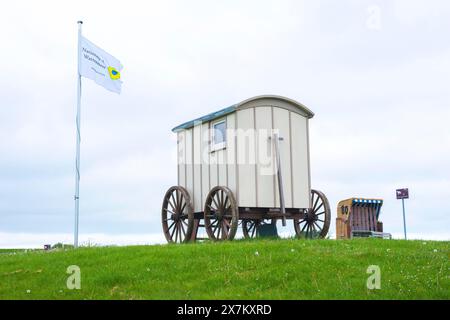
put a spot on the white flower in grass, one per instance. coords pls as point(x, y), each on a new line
point(256, 253)
point(435, 250)
point(28, 291)
point(292, 250)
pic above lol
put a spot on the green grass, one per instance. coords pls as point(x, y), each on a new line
point(262, 269)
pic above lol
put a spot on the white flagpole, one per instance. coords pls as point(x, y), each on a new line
point(77, 161)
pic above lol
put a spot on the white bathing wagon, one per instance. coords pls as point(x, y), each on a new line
point(246, 164)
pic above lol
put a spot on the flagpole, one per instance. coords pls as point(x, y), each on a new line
point(77, 160)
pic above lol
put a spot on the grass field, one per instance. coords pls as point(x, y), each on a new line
point(260, 269)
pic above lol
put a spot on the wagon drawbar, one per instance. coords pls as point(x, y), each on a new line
point(246, 165)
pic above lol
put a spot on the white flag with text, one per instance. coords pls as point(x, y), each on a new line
point(100, 66)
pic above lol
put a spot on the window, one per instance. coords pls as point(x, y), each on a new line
point(219, 135)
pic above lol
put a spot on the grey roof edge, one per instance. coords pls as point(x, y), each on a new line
point(208, 117)
point(299, 105)
point(233, 108)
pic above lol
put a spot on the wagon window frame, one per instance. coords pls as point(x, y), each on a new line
point(219, 145)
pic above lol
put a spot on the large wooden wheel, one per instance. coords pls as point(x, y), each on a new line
point(250, 228)
point(316, 221)
point(177, 215)
point(221, 214)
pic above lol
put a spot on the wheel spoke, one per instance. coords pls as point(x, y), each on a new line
point(315, 210)
point(315, 203)
point(167, 210)
point(214, 199)
point(179, 200)
point(254, 231)
point(219, 229)
point(182, 208)
point(171, 226)
point(216, 223)
point(224, 230)
point(320, 229)
point(221, 199)
point(306, 224)
point(226, 206)
point(182, 229)
point(170, 203)
point(174, 201)
point(179, 231)
point(173, 231)
point(215, 227)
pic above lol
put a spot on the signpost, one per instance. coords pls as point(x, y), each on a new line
point(403, 194)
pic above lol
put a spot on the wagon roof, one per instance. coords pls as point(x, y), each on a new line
point(234, 107)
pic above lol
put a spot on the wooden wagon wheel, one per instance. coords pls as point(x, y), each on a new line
point(221, 214)
point(177, 215)
point(250, 228)
point(316, 222)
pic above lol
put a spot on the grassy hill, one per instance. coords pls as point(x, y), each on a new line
point(260, 269)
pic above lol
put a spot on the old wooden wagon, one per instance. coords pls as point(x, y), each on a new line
point(247, 165)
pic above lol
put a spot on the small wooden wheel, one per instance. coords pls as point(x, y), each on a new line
point(316, 221)
point(221, 214)
point(250, 228)
point(177, 215)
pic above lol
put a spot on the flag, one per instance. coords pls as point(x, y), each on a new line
point(100, 66)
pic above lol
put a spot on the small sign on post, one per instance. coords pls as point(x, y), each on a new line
point(403, 194)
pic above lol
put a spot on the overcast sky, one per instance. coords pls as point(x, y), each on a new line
point(376, 74)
